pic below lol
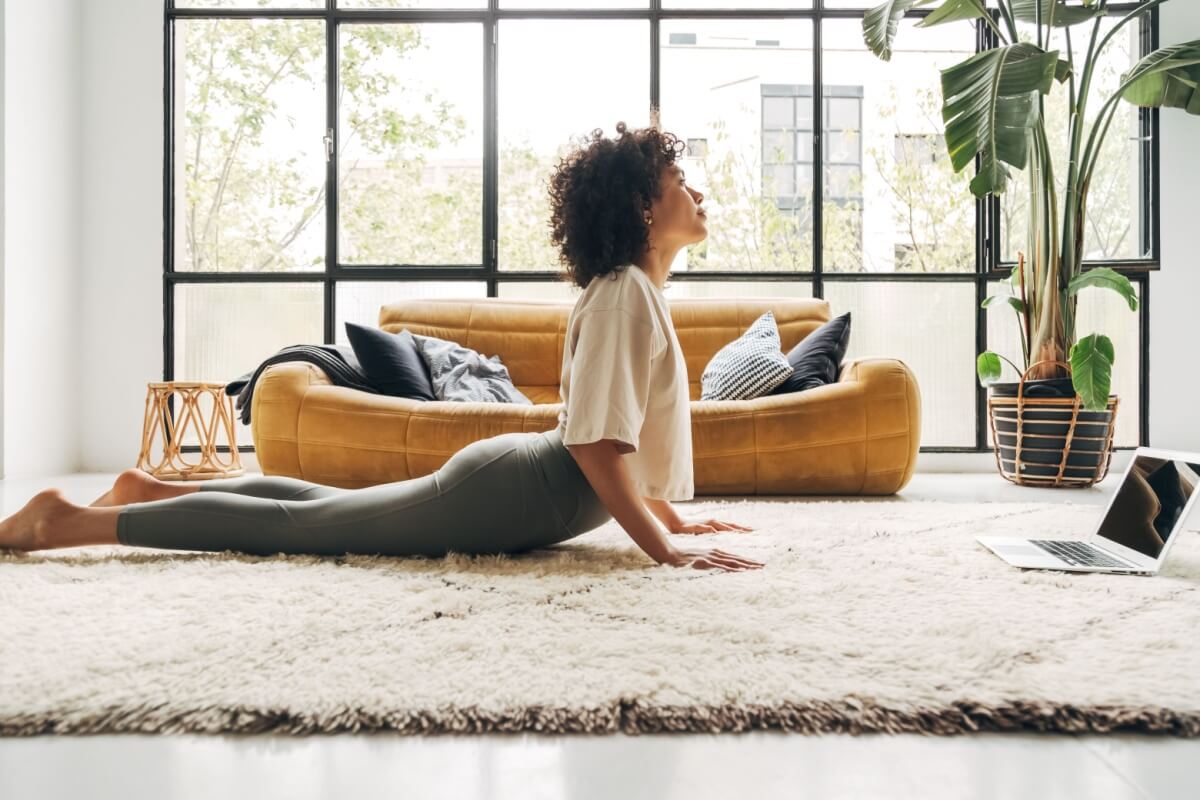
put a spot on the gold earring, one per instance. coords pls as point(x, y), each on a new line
point(649, 220)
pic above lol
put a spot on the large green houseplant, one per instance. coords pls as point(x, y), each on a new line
point(992, 109)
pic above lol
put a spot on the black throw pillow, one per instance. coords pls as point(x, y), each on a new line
point(391, 362)
point(817, 358)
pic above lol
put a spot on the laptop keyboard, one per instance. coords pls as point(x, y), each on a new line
point(1078, 554)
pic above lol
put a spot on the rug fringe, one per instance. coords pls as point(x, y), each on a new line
point(629, 717)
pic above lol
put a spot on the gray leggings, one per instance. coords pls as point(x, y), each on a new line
point(505, 494)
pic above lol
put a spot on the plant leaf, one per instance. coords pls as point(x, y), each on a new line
point(880, 25)
point(990, 107)
point(1064, 15)
point(1167, 78)
point(1015, 302)
point(1105, 278)
point(988, 367)
point(1092, 360)
point(1062, 70)
point(954, 11)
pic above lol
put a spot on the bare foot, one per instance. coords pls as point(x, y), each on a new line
point(133, 486)
point(28, 528)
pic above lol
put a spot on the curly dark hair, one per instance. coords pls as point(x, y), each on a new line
point(599, 194)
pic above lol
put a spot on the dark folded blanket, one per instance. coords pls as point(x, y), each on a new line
point(337, 360)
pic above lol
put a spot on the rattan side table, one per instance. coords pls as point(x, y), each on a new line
point(173, 466)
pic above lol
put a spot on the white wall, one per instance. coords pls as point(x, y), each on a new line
point(1175, 292)
point(121, 330)
point(121, 284)
point(43, 98)
point(2, 261)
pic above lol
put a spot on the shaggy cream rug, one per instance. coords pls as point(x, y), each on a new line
point(869, 616)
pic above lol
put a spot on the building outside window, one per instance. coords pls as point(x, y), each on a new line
point(787, 147)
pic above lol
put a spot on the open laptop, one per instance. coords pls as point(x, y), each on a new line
point(1144, 517)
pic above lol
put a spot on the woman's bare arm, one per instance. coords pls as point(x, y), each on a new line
point(608, 474)
point(665, 512)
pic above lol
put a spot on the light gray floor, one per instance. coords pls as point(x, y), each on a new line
point(527, 767)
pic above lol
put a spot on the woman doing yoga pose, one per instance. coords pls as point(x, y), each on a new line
point(621, 212)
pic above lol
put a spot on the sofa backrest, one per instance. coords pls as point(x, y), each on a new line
point(529, 335)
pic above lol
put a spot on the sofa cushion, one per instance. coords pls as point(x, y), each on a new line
point(391, 362)
point(817, 358)
point(749, 366)
point(461, 374)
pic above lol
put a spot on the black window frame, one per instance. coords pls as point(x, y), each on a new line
point(988, 267)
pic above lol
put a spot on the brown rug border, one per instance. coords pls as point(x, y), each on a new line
point(629, 717)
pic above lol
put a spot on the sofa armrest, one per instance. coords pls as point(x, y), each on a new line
point(893, 420)
point(275, 413)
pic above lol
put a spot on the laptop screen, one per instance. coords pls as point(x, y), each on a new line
point(1149, 503)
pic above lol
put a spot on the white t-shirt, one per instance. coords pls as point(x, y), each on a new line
point(624, 377)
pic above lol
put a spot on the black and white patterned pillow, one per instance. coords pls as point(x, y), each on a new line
point(749, 366)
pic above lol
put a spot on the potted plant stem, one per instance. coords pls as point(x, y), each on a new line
point(992, 106)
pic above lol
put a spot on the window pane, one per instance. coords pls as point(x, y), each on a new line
point(1099, 311)
point(249, 157)
point(677, 290)
point(411, 139)
point(732, 91)
point(560, 291)
point(779, 179)
point(915, 207)
point(541, 110)
point(681, 290)
point(249, 3)
point(574, 4)
point(804, 150)
point(359, 301)
point(842, 147)
point(804, 175)
point(223, 331)
point(804, 108)
point(843, 182)
point(931, 328)
point(739, 5)
point(782, 141)
point(1114, 228)
point(412, 3)
point(779, 112)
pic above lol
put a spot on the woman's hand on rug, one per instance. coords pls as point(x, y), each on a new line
point(710, 559)
point(707, 526)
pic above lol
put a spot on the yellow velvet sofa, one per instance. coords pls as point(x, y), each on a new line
point(858, 436)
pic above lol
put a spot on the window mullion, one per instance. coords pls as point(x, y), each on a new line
point(491, 154)
point(818, 143)
point(331, 172)
point(986, 242)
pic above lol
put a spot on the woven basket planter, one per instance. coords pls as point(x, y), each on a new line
point(1050, 441)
